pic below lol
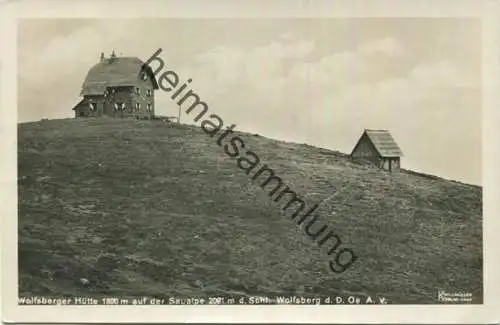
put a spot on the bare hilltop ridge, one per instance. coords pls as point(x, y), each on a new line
point(121, 207)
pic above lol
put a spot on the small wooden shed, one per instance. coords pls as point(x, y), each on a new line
point(379, 148)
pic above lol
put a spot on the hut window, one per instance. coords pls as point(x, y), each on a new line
point(149, 107)
point(119, 106)
point(144, 76)
point(148, 92)
point(137, 91)
point(137, 106)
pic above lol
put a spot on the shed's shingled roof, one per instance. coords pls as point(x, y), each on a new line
point(384, 143)
point(121, 71)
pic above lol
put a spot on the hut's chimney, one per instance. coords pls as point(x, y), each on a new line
point(112, 57)
point(102, 56)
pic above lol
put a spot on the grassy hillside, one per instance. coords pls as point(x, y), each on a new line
point(149, 208)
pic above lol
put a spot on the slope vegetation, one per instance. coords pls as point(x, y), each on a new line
point(145, 208)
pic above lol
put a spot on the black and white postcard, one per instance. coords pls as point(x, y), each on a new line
point(279, 161)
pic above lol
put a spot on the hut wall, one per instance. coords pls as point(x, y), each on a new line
point(143, 94)
point(118, 95)
point(392, 164)
point(396, 163)
point(365, 150)
point(384, 163)
point(136, 101)
point(83, 108)
point(99, 101)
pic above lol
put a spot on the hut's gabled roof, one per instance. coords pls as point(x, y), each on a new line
point(384, 143)
point(118, 71)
